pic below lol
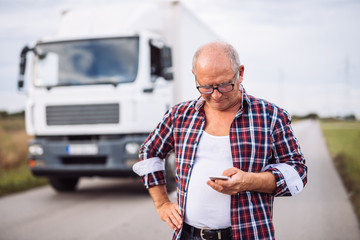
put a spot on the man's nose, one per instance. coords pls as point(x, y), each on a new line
point(216, 94)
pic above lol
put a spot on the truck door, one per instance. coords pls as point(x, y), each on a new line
point(161, 76)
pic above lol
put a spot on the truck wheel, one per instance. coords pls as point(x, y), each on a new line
point(170, 171)
point(63, 184)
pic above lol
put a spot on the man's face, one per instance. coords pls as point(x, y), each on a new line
point(214, 70)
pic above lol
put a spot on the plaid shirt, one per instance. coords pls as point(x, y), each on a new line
point(261, 138)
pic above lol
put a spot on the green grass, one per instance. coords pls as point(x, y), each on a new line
point(15, 175)
point(343, 141)
point(18, 179)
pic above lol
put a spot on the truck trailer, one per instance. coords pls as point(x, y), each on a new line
point(102, 83)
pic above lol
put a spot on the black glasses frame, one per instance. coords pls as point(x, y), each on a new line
point(217, 88)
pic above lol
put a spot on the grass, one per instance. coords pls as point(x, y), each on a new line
point(15, 175)
point(18, 179)
point(343, 141)
point(13, 143)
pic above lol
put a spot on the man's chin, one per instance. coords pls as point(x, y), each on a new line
point(218, 106)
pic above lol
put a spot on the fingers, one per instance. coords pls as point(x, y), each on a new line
point(216, 185)
point(177, 208)
point(171, 224)
point(230, 171)
point(223, 186)
point(170, 213)
point(176, 216)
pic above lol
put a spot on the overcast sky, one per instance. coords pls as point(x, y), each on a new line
point(302, 55)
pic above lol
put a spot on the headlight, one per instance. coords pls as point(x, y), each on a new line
point(132, 148)
point(36, 149)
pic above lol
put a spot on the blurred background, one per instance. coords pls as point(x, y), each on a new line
point(302, 55)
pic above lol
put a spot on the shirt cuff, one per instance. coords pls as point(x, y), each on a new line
point(291, 177)
point(153, 179)
point(148, 166)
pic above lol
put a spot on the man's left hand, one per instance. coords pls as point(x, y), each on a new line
point(241, 181)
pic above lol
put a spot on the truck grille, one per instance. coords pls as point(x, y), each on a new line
point(82, 114)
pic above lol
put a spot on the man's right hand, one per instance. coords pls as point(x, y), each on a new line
point(170, 213)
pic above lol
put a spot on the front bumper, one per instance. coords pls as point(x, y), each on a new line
point(109, 158)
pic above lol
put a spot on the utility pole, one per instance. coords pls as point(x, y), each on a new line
point(281, 87)
point(346, 90)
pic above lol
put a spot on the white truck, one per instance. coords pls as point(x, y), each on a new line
point(101, 84)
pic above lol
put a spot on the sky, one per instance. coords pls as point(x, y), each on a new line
point(302, 55)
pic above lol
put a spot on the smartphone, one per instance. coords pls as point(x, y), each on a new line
point(219, 178)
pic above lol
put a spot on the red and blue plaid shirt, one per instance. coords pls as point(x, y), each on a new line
point(261, 139)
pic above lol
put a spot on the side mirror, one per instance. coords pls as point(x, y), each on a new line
point(167, 75)
point(166, 58)
point(166, 62)
point(23, 53)
point(20, 84)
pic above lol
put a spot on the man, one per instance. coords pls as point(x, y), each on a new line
point(224, 132)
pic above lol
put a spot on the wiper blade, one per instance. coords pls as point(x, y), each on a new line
point(48, 87)
point(104, 82)
point(82, 84)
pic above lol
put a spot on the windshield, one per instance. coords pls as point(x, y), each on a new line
point(95, 61)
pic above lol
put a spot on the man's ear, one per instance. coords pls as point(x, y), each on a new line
point(241, 70)
point(241, 73)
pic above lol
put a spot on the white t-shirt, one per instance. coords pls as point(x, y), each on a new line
point(205, 207)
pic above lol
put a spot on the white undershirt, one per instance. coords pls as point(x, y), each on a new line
point(206, 207)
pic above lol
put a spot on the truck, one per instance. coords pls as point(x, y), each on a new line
point(101, 84)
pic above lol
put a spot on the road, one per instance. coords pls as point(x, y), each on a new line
point(322, 210)
point(122, 209)
point(101, 209)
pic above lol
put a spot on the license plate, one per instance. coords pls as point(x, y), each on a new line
point(82, 149)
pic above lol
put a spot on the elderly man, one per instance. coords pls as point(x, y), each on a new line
point(229, 133)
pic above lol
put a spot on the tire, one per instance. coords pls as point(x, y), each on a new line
point(63, 184)
point(170, 172)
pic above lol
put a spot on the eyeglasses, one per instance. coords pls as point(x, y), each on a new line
point(222, 88)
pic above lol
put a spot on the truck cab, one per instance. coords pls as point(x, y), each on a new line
point(92, 102)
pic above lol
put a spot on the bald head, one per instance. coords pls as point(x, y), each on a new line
point(212, 52)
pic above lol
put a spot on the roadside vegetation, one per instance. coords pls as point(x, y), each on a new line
point(343, 141)
point(15, 175)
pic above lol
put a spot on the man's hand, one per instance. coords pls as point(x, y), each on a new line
point(170, 213)
point(244, 181)
point(237, 183)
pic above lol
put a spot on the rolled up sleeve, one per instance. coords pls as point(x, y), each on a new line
point(151, 164)
point(288, 164)
point(153, 179)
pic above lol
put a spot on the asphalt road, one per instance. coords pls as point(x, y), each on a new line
point(122, 209)
point(101, 209)
point(322, 210)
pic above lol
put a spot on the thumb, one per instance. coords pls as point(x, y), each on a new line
point(231, 171)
